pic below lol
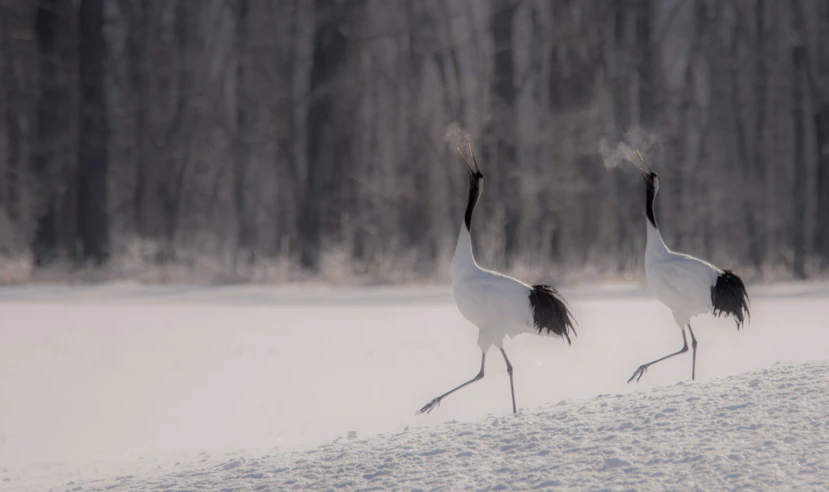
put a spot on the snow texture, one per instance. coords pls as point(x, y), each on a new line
point(131, 387)
point(760, 430)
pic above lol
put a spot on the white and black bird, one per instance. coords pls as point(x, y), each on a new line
point(688, 286)
point(500, 306)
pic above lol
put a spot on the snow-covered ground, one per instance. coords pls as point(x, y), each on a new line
point(186, 387)
point(764, 430)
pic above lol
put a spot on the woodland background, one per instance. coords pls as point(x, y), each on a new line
point(279, 140)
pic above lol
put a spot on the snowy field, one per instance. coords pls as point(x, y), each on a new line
point(235, 387)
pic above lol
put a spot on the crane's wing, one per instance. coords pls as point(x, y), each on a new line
point(684, 281)
point(505, 299)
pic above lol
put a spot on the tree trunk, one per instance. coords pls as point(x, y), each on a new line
point(619, 57)
point(504, 120)
point(137, 48)
point(758, 179)
point(287, 158)
point(744, 153)
point(821, 119)
point(6, 85)
point(647, 90)
point(244, 128)
point(822, 219)
point(93, 219)
point(18, 113)
point(799, 219)
point(51, 28)
point(330, 47)
point(177, 153)
point(414, 212)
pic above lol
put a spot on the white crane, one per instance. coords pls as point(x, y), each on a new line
point(500, 306)
point(688, 286)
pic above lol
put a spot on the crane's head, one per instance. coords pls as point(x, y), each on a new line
point(476, 181)
point(476, 178)
point(651, 178)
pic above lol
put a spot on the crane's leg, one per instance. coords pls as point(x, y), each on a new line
point(694, 352)
point(644, 367)
point(427, 408)
point(511, 386)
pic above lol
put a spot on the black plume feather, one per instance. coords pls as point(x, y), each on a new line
point(550, 312)
point(730, 298)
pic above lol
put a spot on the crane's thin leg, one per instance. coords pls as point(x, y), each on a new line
point(427, 408)
point(694, 352)
point(644, 367)
point(511, 386)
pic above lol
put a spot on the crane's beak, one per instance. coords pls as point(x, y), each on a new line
point(473, 170)
point(643, 167)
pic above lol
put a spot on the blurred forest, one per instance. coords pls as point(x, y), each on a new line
point(274, 140)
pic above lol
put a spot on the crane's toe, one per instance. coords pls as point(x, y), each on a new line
point(427, 408)
point(639, 373)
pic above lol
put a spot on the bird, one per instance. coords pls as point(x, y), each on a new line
point(498, 305)
point(688, 286)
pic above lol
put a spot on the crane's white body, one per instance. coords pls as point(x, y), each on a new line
point(681, 282)
point(497, 304)
point(688, 286)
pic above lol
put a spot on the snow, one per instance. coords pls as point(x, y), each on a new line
point(732, 433)
point(129, 387)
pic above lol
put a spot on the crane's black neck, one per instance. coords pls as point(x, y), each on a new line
point(474, 194)
point(650, 194)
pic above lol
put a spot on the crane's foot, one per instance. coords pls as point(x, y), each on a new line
point(427, 408)
point(639, 373)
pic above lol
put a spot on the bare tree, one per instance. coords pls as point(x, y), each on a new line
point(619, 60)
point(299, 132)
point(798, 222)
point(243, 130)
point(54, 30)
point(93, 218)
point(818, 80)
point(137, 51)
point(18, 70)
point(327, 148)
point(504, 120)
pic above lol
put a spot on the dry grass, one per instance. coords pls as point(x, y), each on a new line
point(138, 261)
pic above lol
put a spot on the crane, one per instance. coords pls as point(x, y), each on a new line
point(688, 286)
point(500, 306)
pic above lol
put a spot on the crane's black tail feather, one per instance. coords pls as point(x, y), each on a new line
point(550, 312)
point(730, 298)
